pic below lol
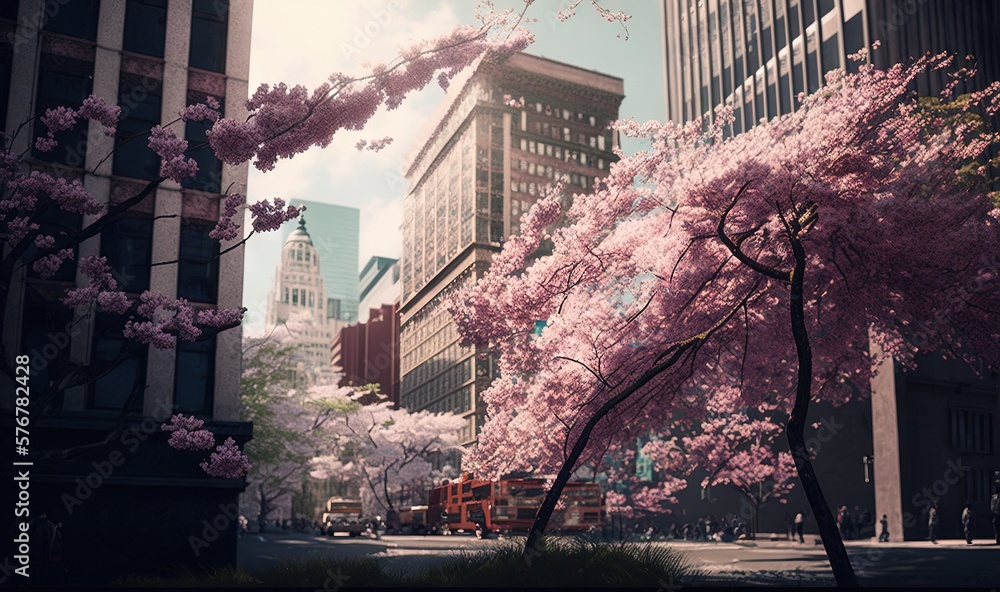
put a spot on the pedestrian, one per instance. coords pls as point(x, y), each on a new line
point(883, 537)
point(45, 553)
point(842, 522)
point(995, 508)
point(789, 526)
point(800, 520)
point(932, 523)
point(968, 523)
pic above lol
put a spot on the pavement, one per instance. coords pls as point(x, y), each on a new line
point(950, 563)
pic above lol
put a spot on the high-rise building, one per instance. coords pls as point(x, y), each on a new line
point(762, 53)
point(299, 294)
point(335, 233)
point(368, 352)
point(927, 435)
point(485, 164)
point(126, 500)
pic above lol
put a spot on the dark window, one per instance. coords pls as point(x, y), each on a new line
point(8, 10)
point(145, 27)
point(812, 67)
point(978, 485)
point(854, 40)
point(831, 54)
point(141, 105)
point(76, 19)
point(6, 59)
point(59, 224)
point(825, 6)
point(793, 20)
point(63, 82)
point(128, 246)
point(198, 268)
point(194, 378)
point(786, 104)
point(526, 513)
point(119, 366)
point(971, 431)
point(47, 331)
point(209, 175)
point(808, 13)
point(209, 22)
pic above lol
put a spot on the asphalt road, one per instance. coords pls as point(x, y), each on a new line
point(900, 564)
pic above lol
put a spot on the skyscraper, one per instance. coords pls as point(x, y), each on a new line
point(335, 232)
point(299, 288)
point(152, 58)
point(761, 54)
point(484, 165)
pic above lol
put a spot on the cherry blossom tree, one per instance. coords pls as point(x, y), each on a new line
point(283, 121)
point(768, 262)
point(389, 449)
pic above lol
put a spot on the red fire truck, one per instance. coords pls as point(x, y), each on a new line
point(510, 505)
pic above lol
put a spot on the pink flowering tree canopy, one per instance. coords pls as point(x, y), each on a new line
point(673, 281)
point(283, 121)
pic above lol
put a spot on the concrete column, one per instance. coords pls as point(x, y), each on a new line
point(885, 433)
point(163, 279)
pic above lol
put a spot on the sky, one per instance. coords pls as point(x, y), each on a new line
point(305, 41)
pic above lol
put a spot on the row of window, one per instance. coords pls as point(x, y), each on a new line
point(145, 28)
point(563, 133)
point(557, 152)
point(117, 366)
point(128, 247)
point(298, 298)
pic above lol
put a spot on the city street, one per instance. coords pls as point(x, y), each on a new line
point(947, 564)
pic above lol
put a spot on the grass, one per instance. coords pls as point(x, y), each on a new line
point(573, 563)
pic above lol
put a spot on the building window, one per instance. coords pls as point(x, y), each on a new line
point(128, 246)
point(194, 378)
point(8, 10)
point(133, 158)
point(46, 337)
point(978, 485)
point(6, 59)
point(295, 296)
point(64, 82)
point(59, 224)
point(286, 295)
point(209, 175)
point(971, 431)
point(198, 269)
point(74, 19)
point(119, 365)
point(209, 23)
point(145, 27)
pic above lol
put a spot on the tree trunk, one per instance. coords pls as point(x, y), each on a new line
point(840, 563)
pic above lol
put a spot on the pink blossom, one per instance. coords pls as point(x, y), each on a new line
point(49, 265)
point(227, 462)
point(96, 109)
point(170, 148)
point(60, 119)
point(200, 112)
point(182, 439)
point(221, 319)
point(226, 228)
point(268, 217)
point(179, 421)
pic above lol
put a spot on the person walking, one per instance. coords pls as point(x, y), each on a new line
point(995, 508)
point(789, 526)
point(932, 523)
point(968, 521)
point(800, 520)
point(883, 537)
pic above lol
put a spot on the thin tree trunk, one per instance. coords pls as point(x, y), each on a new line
point(795, 431)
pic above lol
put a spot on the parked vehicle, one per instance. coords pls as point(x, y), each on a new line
point(342, 515)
